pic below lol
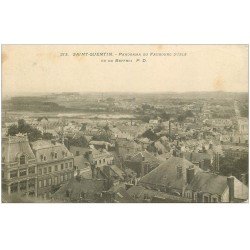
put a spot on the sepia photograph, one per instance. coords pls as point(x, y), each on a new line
point(125, 124)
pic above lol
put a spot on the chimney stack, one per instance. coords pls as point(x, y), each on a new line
point(106, 170)
point(230, 183)
point(190, 174)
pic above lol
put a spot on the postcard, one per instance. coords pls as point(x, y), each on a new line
point(125, 123)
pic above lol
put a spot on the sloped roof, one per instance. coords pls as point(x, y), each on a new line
point(148, 157)
point(197, 157)
point(122, 196)
point(166, 173)
point(118, 171)
point(46, 147)
point(217, 184)
point(76, 187)
point(138, 192)
point(15, 148)
point(208, 183)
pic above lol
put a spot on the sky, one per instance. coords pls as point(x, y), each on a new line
point(167, 68)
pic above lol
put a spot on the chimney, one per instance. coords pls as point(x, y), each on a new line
point(191, 156)
point(179, 171)
point(230, 183)
point(190, 174)
point(93, 170)
point(106, 170)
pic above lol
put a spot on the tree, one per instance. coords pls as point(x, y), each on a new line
point(102, 137)
point(236, 167)
point(47, 136)
point(24, 128)
point(78, 142)
point(13, 130)
point(150, 135)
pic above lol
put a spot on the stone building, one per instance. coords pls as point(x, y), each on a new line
point(19, 167)
point(55, 166)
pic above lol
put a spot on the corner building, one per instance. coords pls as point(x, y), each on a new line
point(19, 168)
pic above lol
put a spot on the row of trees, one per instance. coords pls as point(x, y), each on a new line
point(24, 128)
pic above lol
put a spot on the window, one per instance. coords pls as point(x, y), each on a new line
point(61, 166)
point(23, 172)
point(45, 170)
point(13, 174)
point(55, 155)
point(44, 158)
point(50, 182)
point(195, 197)
point(32, 183)
point(13, 187)
point(70, 164)
point(56, 168)
point(214, 200)
point(44, 183)
point(66, 165)
point(22, 185)
point(100, 161)
point(61, 178)
point(56, 180)
point(49, 169)
point(66, 177)
point(32, 170)
point(22, 159)
point(40, 171)
point(103, 160)
point(77, 153)
point(40, 184)
point(206, 199)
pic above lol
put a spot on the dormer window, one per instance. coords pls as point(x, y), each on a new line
point(55, 155)
point(22, 160)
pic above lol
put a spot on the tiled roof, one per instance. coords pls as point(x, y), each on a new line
point(139, 192)
point(217, 184)
point(76, 187)
point(166, 173)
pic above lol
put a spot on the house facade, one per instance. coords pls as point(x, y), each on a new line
point(55, 166)
point(19, 167)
